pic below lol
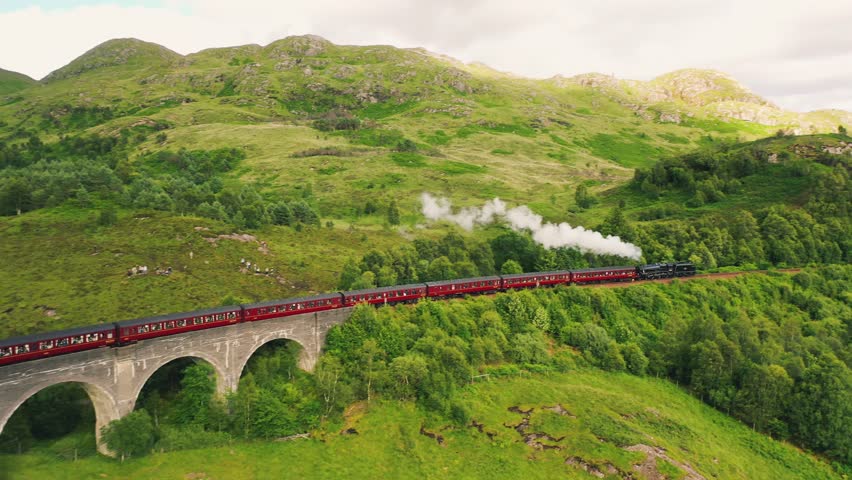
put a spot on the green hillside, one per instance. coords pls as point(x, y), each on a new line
point(309, 159)
point(135, 155)
point(11, 82)
point(607, 423)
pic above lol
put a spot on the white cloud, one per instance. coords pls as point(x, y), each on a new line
point(796, 53)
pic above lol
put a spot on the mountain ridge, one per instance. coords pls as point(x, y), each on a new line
point(694, 87)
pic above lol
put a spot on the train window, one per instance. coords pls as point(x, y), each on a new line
point(62, 342)
point(93, 337)
point(170, 324)
point(220, 317)
point(197, 320)
point(78, 339)
point(22, 349)
point(45, 345)
point(155, 327)
point(262, 311)
point(181, 323)
point(5, 352)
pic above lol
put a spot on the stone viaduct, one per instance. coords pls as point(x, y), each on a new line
point(114, 377)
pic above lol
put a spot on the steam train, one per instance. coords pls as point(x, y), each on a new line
point(31, 347)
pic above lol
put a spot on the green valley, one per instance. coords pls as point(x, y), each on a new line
point(310, 160)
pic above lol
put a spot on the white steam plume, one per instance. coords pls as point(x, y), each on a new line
point(549, 235)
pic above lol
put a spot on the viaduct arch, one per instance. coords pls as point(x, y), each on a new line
point(114, 377)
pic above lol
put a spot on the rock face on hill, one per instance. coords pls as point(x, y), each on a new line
point(677, 96)
point(703, 87)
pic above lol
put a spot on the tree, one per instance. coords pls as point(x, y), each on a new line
point(242, 404)
point(83, 197)
point(197, 388)
point(481, 255)
point(405, 145)
point(393, 213)
point(330, 383)
point(515, 246)
point(465, 269)
point(612, 358)
point(634, 358)
point(616, 224)
point(302, 212)
point(107, 217)
point(529, 348)
point(15, 197)
point(510, 267)
point(763, 395)
point(386, 276)
point(708, 373)
point(371, 364)
point(407, 374)
point(131, 435)
point(441, 269)
point(841, 129)
point(349, 275)
point(367, 280)
point(582, 197)
point(820, 408)
point(281, 214)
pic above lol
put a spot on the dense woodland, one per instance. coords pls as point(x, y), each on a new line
point(772, 350)
point(817, 228)
point(86, 169)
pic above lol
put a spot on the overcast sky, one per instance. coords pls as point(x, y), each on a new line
point(797, 53)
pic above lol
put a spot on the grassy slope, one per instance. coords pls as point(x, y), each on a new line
point(59, 262)
point(62, 270)
point(11, 82)
point(528, 141)
point(611, 410)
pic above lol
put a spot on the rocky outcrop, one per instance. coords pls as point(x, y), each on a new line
point(702, 87)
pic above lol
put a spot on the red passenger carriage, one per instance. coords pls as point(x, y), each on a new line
point(292, 306)
point(603, 274)
point(463, 286)
point(130, 331)
point(385, 295)
point(535, 279)
point(31, 347)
